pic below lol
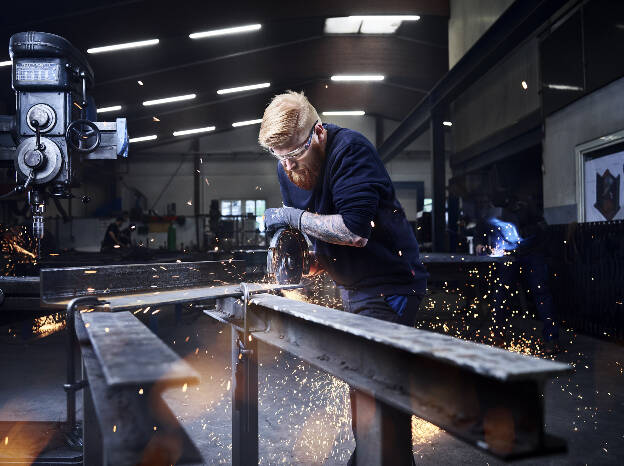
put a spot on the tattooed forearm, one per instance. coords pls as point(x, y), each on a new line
point(331, 229)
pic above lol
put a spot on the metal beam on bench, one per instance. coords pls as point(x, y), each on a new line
point(128, 368)
point(63, 284)
point(487, 396)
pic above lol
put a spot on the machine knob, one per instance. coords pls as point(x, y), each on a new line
point(41, 117)
point(34, 159)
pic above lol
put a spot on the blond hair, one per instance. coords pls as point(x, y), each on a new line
point(288, 116)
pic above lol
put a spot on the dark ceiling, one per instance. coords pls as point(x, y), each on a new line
point(290, 52)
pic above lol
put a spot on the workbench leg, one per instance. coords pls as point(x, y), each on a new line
point(383, 433)
point(178, 313)
point(244, 401)
point(93, 453)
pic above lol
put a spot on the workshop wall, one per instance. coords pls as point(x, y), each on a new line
point(595, 115)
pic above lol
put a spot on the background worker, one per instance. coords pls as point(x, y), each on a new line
point(520, 229)
point(336, 189)
point(112, 237)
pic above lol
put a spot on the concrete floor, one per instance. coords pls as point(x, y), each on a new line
point(304, 415)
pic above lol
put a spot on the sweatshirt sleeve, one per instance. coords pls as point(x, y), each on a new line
point(357, 180)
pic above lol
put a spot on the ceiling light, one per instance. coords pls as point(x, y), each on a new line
point(167, 100)
point(193, 131)
point(143, 138)
point(112, 108)
point(243, 88)
point(127, 45)
point(525, 86)
point(447, 123)
point(382, 24)
point(245, 123)
point(345, 112)
point(226, 31)
point(140, 83)
point(6, 63)
point(342, 25)
point(564, 87)
point(386, 17)
point(362, 77)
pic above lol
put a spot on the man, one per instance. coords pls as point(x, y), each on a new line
point(112, 237)
point(336, 189)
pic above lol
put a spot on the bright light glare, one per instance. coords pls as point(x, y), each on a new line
point(525, 86)
point(223, 32)
point(363, 77)
point(243, 88)
point(167, 100)
point(245, 123)
point(6, 63)
point(346, 112)
point(143, 138)
point(193, 131)
point(447, 123)
point(112, 108)
point(127, 45)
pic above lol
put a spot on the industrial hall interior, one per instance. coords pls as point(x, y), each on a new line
point(364, 233)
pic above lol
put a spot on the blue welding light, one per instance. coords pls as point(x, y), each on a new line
point(505, 235)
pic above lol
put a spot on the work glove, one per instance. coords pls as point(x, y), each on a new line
point(274, 219)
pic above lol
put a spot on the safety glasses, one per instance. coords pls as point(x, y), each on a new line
point(299, 150)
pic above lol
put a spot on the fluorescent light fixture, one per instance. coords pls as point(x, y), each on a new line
point(127, 45)
point(167, 100)
point(143, 138)
point(386, 17)
point(342, 25)
point(564, 87)
point(378, 24)
point(362, 77)
point(113, 108)
point(6, 63)
point(193, 131)
point(226, 31)
point(447, 123)
point(346, 112)
point(243, 88)
point(245, 123)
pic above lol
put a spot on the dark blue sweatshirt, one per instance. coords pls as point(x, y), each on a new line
point(355, 184)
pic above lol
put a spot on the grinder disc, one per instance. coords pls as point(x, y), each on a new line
point(288, 258)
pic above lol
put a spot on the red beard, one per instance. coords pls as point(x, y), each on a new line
point(304, 179)
point(307, 176)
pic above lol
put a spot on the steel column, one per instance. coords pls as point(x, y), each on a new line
point(438, 184)
point(244, 400)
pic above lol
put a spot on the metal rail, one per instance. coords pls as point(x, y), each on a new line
point(486, 396)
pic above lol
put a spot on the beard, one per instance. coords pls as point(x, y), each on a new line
point(304, 179)
point(307, 176)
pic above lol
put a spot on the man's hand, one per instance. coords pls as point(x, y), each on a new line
point(275, 219)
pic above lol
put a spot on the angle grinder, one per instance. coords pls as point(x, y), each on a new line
point(288, 259)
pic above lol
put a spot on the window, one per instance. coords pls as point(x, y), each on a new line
point(253, 207)
point(231, 207)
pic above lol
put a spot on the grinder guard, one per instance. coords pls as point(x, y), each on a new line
point(288, 258)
